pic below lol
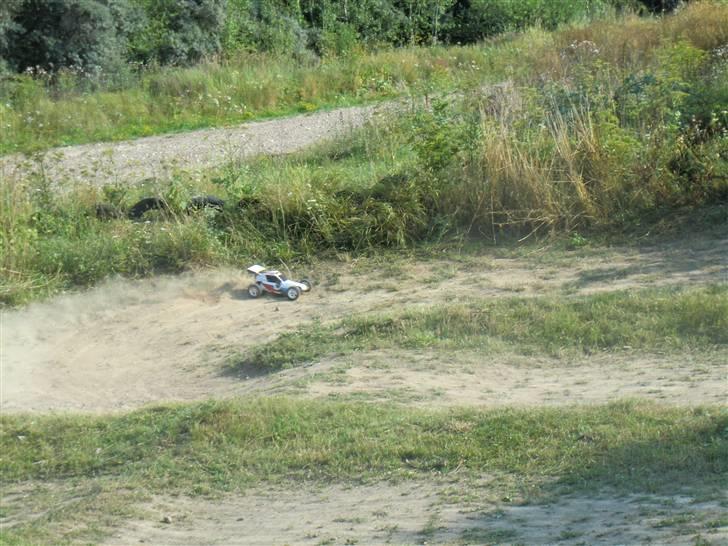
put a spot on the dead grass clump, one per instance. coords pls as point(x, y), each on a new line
point(631, 42)
point(703, 24)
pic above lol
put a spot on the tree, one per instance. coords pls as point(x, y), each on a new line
point(52, 34)
point(178, 31)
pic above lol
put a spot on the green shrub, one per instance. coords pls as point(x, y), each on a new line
point(178, 32)
point(479, 19)
point(51, 34)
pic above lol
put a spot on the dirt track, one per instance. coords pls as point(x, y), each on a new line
point(411, 513)
point(126, 344)
point(133, 161)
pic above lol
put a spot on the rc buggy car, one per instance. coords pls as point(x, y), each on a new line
point(275, 282)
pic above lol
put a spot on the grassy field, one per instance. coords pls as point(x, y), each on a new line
point(36, 116)
point(224, 93)
point(228, 445)
point(614, 129)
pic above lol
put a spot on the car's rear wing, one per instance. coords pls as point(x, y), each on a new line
point(255, 269)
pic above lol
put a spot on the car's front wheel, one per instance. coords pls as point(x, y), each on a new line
point(293, 292)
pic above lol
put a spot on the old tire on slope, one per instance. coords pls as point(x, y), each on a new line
point(146, 204)
point(204, 202)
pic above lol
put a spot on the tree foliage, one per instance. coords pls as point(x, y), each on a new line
point(100, 34)
point(178, 31)
point(51, 34)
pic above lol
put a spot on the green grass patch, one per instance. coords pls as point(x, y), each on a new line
point(219, 93)
point(645, 320)
point(231, 444)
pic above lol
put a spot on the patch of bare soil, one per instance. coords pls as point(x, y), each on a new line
point(468, 378)
point(419, 513)
point(125, 344)
point(195, 151)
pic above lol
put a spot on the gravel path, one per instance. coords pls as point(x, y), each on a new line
point(159, 156)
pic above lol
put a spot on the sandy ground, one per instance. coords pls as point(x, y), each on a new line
point(126, 343)
point(418, 513)
point(473, 379)
point(158, 157)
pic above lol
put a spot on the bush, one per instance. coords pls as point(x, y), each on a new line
point(660, 6)
point(7, 25)
point(51, 34)
point(263, 26)
point(178, 32)
point(479, 19)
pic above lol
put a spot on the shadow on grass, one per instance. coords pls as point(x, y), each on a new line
point(241, 369)
point(707, 264)
point(658, 490)
point(639, 492)
point(679, 461)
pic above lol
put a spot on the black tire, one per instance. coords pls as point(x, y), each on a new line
point(147, 204)
point(292, 293)
point(205, 202)
point(254, 291)
point(306, 283)
point(249, 203)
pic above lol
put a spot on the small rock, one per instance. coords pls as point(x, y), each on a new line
point(166, 519)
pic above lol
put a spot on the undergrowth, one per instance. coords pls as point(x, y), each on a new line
point(615, 125)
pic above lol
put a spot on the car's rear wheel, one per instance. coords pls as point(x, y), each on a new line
point(293, 292)
point(254, 291)
point(306, 283)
